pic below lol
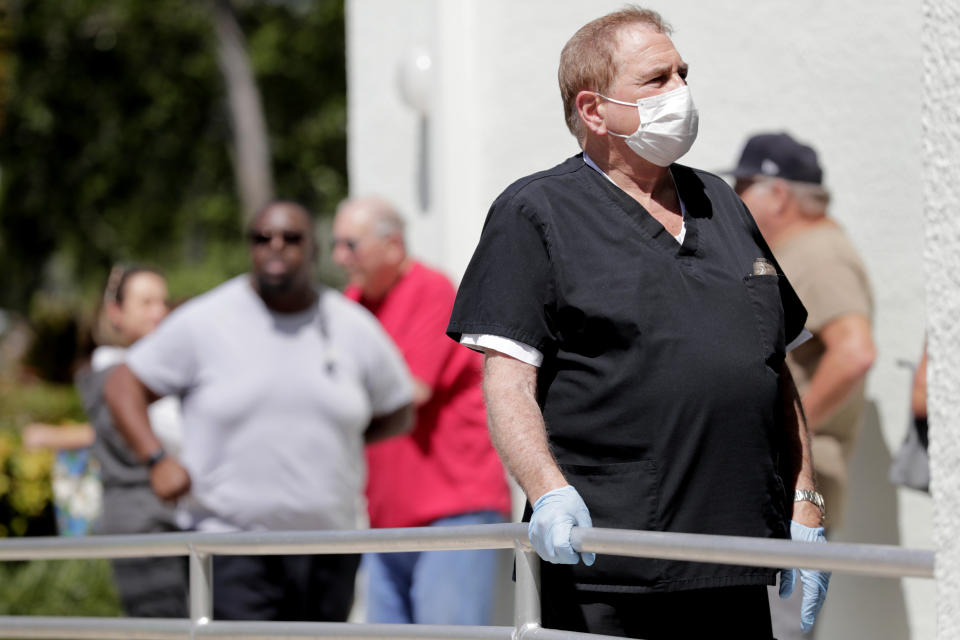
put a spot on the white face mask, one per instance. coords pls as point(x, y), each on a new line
point(668, 126)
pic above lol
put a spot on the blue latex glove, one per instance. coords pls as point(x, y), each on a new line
point(554, 515)
point(815, 583)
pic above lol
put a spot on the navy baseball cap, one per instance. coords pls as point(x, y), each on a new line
point(779, 156)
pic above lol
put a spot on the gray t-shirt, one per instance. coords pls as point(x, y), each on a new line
point(274, 405)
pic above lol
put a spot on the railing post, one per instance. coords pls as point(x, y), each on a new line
point(201, 589)
point(526, 614)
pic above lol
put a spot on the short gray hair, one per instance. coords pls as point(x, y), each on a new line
point(385, 219)
point(812, 199)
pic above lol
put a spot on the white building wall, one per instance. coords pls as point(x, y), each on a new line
point(941, 137)
point(845, 77)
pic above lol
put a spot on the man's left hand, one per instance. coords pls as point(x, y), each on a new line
point(815, 583)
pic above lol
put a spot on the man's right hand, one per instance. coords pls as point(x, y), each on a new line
point(555, 514)
point(169, 479)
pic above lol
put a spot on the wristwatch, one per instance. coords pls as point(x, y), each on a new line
point(810, 496)
point(155, 457)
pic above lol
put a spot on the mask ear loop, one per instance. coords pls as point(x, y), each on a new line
point(624, 103)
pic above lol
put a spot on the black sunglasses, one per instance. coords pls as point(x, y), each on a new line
point(289, 237)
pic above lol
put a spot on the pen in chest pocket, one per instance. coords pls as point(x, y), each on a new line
point(763, 267)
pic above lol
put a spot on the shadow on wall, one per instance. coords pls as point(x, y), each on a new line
point(860, 606)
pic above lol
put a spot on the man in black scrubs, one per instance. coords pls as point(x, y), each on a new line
point(635, 326)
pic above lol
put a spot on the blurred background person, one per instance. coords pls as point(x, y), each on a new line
point(281, 382)
point(444, 472)
point(918, 399)
point(781, 182)
point(910, 466)
point(95, 454)
point(75, 486)
point(135, 302)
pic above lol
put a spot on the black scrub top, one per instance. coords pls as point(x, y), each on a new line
point(659, 384)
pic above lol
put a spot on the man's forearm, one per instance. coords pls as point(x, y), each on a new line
point(128, 399)
point(918, 396)
point(391, 424)
point(798, 450)
point(848, 356)
point(516, 424)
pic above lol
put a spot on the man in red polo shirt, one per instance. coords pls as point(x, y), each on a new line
point(444, 472)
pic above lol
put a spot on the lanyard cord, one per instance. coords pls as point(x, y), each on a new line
point(329, 356)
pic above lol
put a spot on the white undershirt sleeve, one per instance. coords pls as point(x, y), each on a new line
point(800, 339)
point(526, 353)
point(506, 346)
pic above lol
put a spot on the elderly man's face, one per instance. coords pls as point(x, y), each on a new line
point(281, 250)
point(647, 65)
point(367, 259)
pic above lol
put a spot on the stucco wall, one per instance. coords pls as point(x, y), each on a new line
point(844, 77)
point(941, 190)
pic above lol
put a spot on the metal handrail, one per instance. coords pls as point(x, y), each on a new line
point(863, 559)
point(488, 536)
point(884, 561)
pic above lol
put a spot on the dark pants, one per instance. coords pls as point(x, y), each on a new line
point(152, 587)
point(310, 588)
point(148, 587)
point(741, 613)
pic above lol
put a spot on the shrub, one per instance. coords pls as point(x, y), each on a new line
point(58, 588)
point(25, 486)
point(42, 587)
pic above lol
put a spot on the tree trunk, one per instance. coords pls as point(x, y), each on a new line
point(251, 157)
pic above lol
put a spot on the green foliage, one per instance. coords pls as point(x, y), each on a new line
point(116, 139)
point(307, 134)
point(58, 587)
point(25, 476)
point(61, 587)
point(21, 404)
point(113, 136)
point(57, 338)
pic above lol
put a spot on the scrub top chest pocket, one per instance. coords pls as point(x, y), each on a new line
point(764, 294)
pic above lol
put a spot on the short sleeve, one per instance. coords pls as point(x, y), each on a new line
point(794, 313)
point(165, 360)
point(483, 342)
point(507, 289)
point(833, 288)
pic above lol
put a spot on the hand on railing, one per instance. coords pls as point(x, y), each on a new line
point(815, 583)
point(554, 516)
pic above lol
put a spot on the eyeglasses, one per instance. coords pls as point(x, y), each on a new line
point(258, 238)
point(351, 245)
